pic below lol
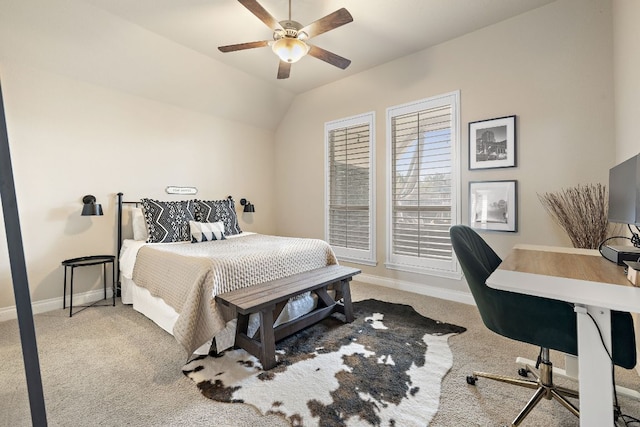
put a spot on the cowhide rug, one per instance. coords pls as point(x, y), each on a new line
point(384, 369)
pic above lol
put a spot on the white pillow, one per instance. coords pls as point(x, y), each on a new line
point(206, 231)
point(139, 224)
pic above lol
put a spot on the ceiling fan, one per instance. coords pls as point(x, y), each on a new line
point(290, 37)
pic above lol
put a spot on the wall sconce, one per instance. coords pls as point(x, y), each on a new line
point(90, 206)
point(248, 206)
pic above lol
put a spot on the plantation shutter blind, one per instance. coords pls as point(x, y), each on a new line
point(422, 191)
point(349, 216)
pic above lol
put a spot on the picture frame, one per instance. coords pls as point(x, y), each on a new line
point(492, 143)
point(493, 205)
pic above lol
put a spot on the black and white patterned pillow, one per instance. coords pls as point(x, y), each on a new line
point(219, 210)
point(168, 221)
point(206, 231)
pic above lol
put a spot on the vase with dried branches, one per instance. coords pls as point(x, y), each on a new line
point(581, 211)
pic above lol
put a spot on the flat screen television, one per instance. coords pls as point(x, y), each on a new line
point(624, 192)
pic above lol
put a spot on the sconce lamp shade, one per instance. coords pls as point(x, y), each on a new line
point(90, 206)
point(248, 206)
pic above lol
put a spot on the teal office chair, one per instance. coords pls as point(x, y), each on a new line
point(547, 323)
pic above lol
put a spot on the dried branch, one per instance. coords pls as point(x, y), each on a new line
point(581, 211)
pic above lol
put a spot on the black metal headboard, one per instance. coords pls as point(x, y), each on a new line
point(121, 202)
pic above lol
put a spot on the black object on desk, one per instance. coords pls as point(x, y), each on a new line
point(84, 262)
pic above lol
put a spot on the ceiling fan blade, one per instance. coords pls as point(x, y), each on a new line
point(328, 57)
point(261, 13)
point(284, 69)
point(242, 46)
point(329, 22)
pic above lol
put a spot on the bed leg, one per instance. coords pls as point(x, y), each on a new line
point(213, 349)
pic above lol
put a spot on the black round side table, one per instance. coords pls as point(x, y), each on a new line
point(86, 261)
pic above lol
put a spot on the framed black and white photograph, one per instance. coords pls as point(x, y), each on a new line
point(493, 205)
point(492, 143)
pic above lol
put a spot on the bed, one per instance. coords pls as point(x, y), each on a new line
point(172, 267)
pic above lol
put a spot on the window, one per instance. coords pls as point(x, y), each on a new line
point(422, 198)
point(349, 205)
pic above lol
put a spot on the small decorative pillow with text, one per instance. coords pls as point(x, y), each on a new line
point(206, 231)
point(168, 221)
point(219, 210)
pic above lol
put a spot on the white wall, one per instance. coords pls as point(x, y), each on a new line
point(69, 128)
point(69, 138)
point(626, 60)
point(552, 67)
point(97, 105)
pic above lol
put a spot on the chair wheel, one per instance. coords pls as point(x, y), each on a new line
point(523, 372)
point(471, 380)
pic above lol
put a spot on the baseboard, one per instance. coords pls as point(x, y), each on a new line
point(9, 313)
point(417, 288)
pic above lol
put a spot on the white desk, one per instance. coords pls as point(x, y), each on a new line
point(594, 285)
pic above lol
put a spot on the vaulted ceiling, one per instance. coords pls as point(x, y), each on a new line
point(167, 50)
point(382, 30)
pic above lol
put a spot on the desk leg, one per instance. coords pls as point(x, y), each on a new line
point(595, 373)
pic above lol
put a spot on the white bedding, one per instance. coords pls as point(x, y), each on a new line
point(165, 316)
point(130, 250)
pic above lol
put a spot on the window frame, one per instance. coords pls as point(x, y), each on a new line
point(408, 263)
point(358, 256)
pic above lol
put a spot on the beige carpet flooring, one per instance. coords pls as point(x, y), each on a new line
point(111, 366)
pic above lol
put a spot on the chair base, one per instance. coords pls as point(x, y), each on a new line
point(622, 391)
point(543, 384)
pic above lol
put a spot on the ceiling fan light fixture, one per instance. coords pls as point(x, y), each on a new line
point(290, 37)
point(290, 49)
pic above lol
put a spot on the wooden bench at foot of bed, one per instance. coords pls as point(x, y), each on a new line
point(270, 298)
